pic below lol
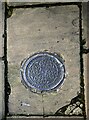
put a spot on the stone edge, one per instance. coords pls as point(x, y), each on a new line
point(2, 107)
point(86, 56)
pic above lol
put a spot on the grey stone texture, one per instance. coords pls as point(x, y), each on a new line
point(88, 62)
point(1, 30)
point(47, 118)
point(1, 67)
point(19, 2)
point(2, 108)
point(85, 14)
point(31, 30)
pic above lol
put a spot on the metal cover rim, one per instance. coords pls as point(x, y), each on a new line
point(49, 78)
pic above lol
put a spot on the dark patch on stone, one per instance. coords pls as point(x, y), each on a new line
point(62, 38)
point(86, 50)
point(83, 41)
point(39, 30)
point(55, 27)
point(57, 41)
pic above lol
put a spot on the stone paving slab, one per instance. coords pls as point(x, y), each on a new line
point(1, 30)
point(1, 89)
point(43, 29)
point(27, 2)
point(88, 61)
point(86, 56)
point(48, 118)
point(1, 66)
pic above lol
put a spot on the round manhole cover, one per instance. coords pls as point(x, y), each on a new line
point(43, 71)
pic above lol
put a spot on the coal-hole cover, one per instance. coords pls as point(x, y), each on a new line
point(43, 71)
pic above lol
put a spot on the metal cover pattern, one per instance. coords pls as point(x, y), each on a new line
point(43, 71)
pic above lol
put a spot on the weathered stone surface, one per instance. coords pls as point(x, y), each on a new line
point(1, 30)
point(54, 29)
point(22, 101)
point(1, 68)
point(1, 89)
point(88, 60)
point(85, 14)
point(27, 2)
point(47, 118)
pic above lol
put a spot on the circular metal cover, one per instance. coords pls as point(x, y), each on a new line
point(43, 71)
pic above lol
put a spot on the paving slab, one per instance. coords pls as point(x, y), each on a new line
point(27, 2)
point(32, 30)
point(87, 61)
point(86, 56)
point(1, 30)
point(2, 108)
point(48, 118)
point(1, 66)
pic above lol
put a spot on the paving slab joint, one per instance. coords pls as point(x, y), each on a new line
point(4, 58)
point(86, 50)
point(9, 11)
point(44, 4)
point(83, 41)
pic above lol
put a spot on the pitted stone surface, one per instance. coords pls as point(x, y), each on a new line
point(43, 71)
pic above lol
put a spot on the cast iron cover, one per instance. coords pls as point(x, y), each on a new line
point(43, 71)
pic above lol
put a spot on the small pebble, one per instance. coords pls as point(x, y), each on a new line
point(78, 103)
point(25, 104)
point(81, 105)
point(77, 111)
point(70, 113)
